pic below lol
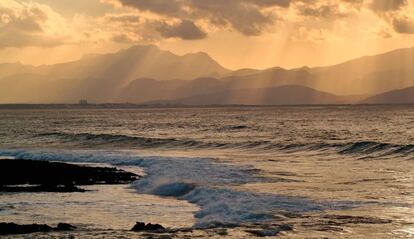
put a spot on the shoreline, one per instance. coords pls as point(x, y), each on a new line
point(64, 106)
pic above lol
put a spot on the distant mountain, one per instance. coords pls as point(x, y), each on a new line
point(403, 96)
point(128, 64)
point(142, 90)
point(283, 95)
point(271, 78)
point(368, 75)
point(10, 69)
point(99, 77)
point(363, 76)
point(146, 73)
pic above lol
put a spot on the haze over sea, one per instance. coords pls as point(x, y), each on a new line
point(328, 171)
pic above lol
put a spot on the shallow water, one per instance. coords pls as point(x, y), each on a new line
point(248, 168)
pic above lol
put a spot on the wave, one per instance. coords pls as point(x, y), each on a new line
point(88, 139)
point(201, 181)
point(363, 148)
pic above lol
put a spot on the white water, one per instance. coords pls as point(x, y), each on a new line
point(316, 161)
point(204, 182)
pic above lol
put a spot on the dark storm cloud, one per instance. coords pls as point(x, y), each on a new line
point(185, 30)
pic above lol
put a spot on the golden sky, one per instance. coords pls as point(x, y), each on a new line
point(237, 33)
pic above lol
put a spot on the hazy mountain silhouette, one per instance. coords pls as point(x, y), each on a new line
point(368, 75)
point(360, 77)
point(146, 73)
point(403, 96)
point(99, 77)
point(128, 64)
point(282, 95)
point(142, 90)
point(365, 75)
point(10, 69)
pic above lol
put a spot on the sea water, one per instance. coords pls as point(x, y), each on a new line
point(334, 171)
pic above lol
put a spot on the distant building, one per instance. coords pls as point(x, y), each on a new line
point(83, 102)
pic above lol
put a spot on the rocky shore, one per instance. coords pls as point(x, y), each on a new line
point(44, 176)
point(12, 228)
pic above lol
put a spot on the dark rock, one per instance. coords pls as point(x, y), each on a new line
point(42, 188)
point(263, 233)
point(12, 228)
point(221, 231)
point(65, 227)
point(142, 227)
point(327, 228)
point(347, 219)
point(270, 232)
point(157, 237)
point(43, 176)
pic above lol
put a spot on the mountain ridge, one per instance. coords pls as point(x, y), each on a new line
point(400, 96)
point(282, 95)
point(147, 73)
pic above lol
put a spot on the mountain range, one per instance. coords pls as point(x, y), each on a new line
point(147, 74)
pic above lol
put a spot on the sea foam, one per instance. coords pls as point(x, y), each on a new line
point(207, 183)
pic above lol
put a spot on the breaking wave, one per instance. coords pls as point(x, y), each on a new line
point(210, 185)
point(363, 148)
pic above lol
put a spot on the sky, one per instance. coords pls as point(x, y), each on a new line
point(236, 33)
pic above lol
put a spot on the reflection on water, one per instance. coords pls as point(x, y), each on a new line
point(104, 207)
point(362, 156)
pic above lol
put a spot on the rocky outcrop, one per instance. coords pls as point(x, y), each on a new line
point(142, 227)
point(12, 228)
point(43, 176)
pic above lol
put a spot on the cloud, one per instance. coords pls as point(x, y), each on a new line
point(249, 17)
point(122, 38)
point(133, 28)
point(397, 13)
point(123, 18)
point(181, 19)
point(27, 24)
point(185, 30)
point(403, 25)
point(326, 10)
point(309, 35)
point(387, 5)
point(30, 23)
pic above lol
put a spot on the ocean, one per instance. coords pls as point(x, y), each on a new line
point(326, 171)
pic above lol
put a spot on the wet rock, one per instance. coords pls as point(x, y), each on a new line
point(44, 176)
point(142, 227)
point(65, 227)
point(270, 232)
point(12, 228)
point(328, 228)
point(221, 231)
point(347, 219)
point(157, 237)
point(41, 188)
